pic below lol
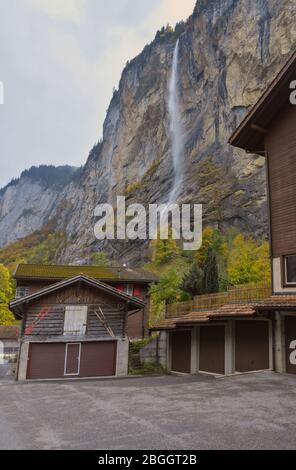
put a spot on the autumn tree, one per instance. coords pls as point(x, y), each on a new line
point(6, 292)
point(211, 238)
point(165, 250)
point(248, 261)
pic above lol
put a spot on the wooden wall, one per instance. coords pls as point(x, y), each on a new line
point(280, 144)
point(52, 323)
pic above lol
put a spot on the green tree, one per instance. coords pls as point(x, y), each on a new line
point(193, 280)
point(211, 278)
point(168, 288)
point(211, 238)
point(100, 259)
point(166, 291)
point(6, 292)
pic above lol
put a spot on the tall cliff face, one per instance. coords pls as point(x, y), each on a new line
point(229, 51)
point(29, 202)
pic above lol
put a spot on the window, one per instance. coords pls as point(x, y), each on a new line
point(22, 291)
point(290, 269)
point(128, 289)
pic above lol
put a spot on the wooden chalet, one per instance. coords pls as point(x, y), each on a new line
point(132, 281)
point(76, 327)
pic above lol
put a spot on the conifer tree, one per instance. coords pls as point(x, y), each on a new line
point(193, 280)
point(211, 279)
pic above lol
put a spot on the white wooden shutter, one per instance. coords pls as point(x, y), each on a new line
point(75, 320)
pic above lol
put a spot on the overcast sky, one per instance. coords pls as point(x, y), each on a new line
point(59, 61)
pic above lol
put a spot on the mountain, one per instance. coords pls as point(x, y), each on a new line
point(28, 202)
point(228, 52)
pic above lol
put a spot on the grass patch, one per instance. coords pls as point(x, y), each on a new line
point(147, 368)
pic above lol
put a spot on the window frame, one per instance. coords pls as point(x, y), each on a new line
point(287, 283)
point(18, 288)
point(129, 289)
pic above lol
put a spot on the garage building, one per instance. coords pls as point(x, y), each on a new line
point(235, 338)
point(74, 328)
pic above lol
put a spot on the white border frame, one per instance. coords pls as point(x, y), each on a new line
point(66, 355)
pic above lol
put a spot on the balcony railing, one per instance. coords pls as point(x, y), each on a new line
point(246, 293)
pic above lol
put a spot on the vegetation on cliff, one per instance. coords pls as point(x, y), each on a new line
point(42, 247)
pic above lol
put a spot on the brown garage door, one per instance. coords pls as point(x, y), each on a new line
point(58, 360)
point(251, 345)
point(212, 349)
point(290, 339)
point(98, 358)
point(181, 351)
point(46, 361)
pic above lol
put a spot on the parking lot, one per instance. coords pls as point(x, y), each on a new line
point(252, 411)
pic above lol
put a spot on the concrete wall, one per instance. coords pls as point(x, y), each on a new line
point(122, 357)
point(23, 361)
point(156, 350)
point(280, 340)
point(277, 278)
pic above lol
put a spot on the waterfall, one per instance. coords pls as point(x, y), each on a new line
point(176, 129)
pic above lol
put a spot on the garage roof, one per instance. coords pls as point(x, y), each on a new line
point(228, 310)
point(57, 272)
point(274, 302)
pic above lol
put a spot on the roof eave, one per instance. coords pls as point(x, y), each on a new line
point(253, 128)
point(103, 279)
point(14, 304)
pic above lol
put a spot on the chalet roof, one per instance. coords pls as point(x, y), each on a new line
point(9, 332)
point(251, 132)
point(57, 272)
point(133, 302)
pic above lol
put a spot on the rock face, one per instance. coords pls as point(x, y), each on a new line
point(229, 50)
point(28, 203)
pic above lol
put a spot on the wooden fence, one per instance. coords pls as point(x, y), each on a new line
point(210, 301)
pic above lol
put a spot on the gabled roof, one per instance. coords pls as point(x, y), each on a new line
point(133, 302)
point(251, 132)
point(57, 272)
